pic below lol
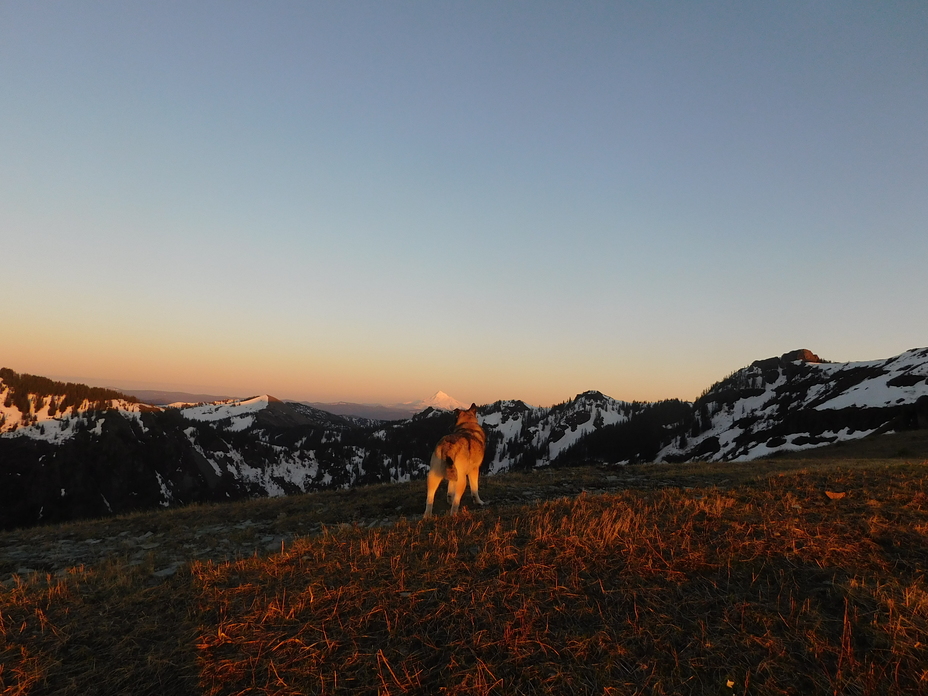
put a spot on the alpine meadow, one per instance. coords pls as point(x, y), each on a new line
point(465, 348)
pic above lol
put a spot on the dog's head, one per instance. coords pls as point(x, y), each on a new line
point(468, 416)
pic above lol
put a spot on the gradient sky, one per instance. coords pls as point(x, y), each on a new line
point(371, 201)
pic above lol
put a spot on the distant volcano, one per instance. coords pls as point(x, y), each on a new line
point(438, 400)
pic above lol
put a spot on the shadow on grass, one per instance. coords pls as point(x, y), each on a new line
point(106, 631)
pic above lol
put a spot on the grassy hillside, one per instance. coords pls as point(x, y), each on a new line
point(776, 577)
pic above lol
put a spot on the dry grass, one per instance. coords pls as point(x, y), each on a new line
point(762, 585)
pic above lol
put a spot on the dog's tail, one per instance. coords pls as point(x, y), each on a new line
point(443, 463)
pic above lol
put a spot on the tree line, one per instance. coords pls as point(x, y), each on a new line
point(60, 395)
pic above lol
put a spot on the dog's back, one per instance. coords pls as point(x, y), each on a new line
point(463, 449)
point(458, 457)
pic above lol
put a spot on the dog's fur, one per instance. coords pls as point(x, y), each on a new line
point(457, 456)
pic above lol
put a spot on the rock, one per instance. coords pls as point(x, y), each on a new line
point(801, 354)
point(169, 571)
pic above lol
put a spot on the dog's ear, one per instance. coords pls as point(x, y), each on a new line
point(473, 407)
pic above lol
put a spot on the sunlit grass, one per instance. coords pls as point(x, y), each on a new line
point(762, 585)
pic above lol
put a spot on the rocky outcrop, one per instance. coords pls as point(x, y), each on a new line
point(802, 355)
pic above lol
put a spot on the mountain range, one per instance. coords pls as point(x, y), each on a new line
point(397, 411)
point(69, 451)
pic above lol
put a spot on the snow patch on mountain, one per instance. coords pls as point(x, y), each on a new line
point(43, 420)
point(524, 436)
point(583, 416)
point(900, 380)
point(782, 405)
point(283, 471)
point(240, 413)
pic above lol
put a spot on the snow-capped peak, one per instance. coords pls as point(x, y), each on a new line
point(439, 400)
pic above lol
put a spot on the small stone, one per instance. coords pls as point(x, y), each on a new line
point(167, 572)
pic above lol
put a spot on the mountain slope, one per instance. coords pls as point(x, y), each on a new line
point(70, 451)
point(798, 401)
point(118, 456)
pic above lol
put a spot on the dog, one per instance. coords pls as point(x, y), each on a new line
point(457, 456)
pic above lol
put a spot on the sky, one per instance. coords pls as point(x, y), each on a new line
point(369, 201)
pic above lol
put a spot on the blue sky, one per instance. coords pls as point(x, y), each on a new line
point(374, 201)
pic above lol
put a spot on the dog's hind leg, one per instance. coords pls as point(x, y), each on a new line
point(472, 480)
point(458, 494)
point(433, 481)
point(452, 484)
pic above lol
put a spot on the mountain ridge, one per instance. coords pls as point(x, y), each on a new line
point(161, 397)
point(83, 453)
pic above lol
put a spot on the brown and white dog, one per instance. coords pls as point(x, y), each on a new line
point(457, 456)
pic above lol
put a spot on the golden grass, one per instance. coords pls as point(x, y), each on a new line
point(763, 586)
